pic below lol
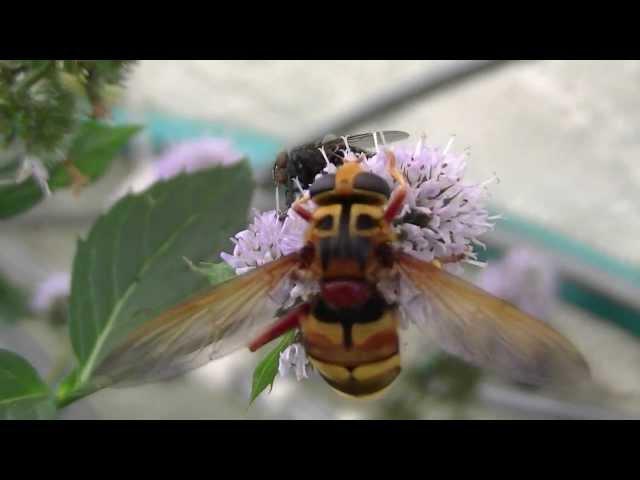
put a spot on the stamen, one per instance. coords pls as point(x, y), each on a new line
point(346, 144)
point(375, 141)
point(324, 154)
point(451, 140)
point(421, 141)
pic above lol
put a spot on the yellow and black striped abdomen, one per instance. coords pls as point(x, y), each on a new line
point(356, 350)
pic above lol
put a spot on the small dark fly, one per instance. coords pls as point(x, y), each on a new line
point(306, 161)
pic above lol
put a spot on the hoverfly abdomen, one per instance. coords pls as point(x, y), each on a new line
point(355, 348)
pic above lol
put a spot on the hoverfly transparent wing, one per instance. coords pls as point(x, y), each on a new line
point(208, 326)
point(489, 332)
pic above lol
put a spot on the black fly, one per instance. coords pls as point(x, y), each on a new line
point(306, 161)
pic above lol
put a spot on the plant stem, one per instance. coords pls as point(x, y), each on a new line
point(65, 396)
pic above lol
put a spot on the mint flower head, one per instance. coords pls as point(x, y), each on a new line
point(51, 289)
point(266, 239)
point(294, 358)
point(443, 215)
point(184, 157)
point(195, 155)
point(442, 218)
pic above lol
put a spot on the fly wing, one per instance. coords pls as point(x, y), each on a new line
point(206, 327)
point(489, 332)
point(363, 141)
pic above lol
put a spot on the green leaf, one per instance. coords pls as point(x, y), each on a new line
point(12, 302)
point(265, 373)
point(94, 146)
point(130, 268)
point(215, 272)
point(23, 394)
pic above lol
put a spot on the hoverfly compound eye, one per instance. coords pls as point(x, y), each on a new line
point(372, 183)
point(325, 183)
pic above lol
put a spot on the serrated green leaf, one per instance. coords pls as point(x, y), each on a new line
point(93, 148)
point(12, 302)
point(23, 394)
point(215, 272)
point(265, 373)
point(131, 265)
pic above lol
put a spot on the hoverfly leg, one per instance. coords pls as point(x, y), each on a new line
point(400, 192)
point(290, 320)
point(303, 212)
point(451, 258)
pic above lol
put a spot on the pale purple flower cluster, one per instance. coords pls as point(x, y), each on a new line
point(442, 218)
point(196, 155)
point(266, 239)
point(443, 215)
point(525, 278)
point(294, 357)
point(189, 156)
point(54, 287)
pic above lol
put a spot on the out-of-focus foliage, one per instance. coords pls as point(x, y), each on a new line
point(440, 379)
point(23, 394)
point(41, 101)
point(12, 302)
point(91, 151)
point(131, 266)
point(46, 107)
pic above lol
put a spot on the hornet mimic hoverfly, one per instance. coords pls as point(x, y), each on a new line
point(349, 330)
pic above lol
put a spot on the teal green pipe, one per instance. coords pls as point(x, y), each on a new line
point(260, 148)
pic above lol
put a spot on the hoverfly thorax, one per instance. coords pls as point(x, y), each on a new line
point(348, 225)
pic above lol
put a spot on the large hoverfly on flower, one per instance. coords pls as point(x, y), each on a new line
point(348, 328)
point(304, 162)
